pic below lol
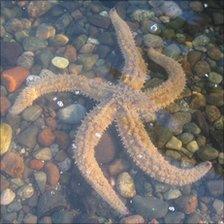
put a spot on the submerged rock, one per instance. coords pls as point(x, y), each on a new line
point(5, 137)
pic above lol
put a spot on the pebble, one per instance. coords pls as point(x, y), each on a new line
point(60, 62)
point(194, 56)
point(175, 217)
point(169, 9)
point(14, 77)
point(70, 53)
point(65, 165)
point(198, 101)
point(16, 25)
point(38, 8)
point(174, 143)
point(32, 113)
point(41, 180)
point(163, 135)
point(151, 40)
point(215, 98)
point(28, 137)
point(45, 31)
point(192, 146)
point(187, 203)
point(218, 205)
point(60, 40)
point(192, 128)
point(30, 219)
point(46, 137)
point(207, 153)
point(172, 194)
point(12, 50)
point(50, 201)
point(215, 187)
point(221, 158)
point(125, 185)
point(71, 114)
point(36, 164)
point(43, 154)
point(219, 124)
point(26, 59)
point(213, 113)
point(150, 207)
point(137, 219)
point(201, 68)
point(26, 191)
point(88, 61)
point(117, 166)
point(12, 163)
point(197, 6)
point(186, 137)
point(7, 196)
point(201, 40)
point(15, 206)
point(99, 21)
point(34, 44)
point(140, 15)
point(53, 174)
point(172, 51)
point(5, 104)
point(214, 53)
point(6, 137)
point(215, 78)
point(106, 149)
point(173, 154)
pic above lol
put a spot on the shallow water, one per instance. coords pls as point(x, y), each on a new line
point(40, 182)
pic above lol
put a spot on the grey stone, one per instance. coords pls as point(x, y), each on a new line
point(32, 113)
point(33, 43)
point(175, 217)
point(41, 179)
point(151, 40)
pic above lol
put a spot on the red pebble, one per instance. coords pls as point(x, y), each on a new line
point(4, 105)
point(62, 139)
point(46, 137)
point(14, 77)
point(36, 164)
point(53, 174)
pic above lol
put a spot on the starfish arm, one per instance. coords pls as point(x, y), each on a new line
point(59, 83)
point(170, 90)
point(135, 70)
point(87, 138)
point(147, 157)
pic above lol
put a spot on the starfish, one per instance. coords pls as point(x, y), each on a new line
point(125, 104)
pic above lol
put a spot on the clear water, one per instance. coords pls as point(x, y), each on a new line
point(85, 36)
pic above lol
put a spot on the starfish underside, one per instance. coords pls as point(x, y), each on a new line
point(125, 104)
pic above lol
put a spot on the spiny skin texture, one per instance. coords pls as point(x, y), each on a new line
point(123, 103)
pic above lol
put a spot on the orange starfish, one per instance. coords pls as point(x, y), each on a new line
point(123, 103)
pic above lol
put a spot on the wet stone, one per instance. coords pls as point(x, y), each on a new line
point(192, 128)
point(32, 113)
point(218, 205)
point(186, 137)
point(187, 203)
point(125, 185)
point(172, 51)
point(163, 135)
point(214, 53)
point(26, 191)
point(7, 196)
point(49, 202)
point(30, 219)
point(172, 194)
point(26, 59)
point(174, 143)
point(15, 206)
point(201, 68)
point(53, 174)
point(33, 44)
point(43, 154)
point(150, 207)
point(5, 104)
point(41, 180)
point(215, 78)
point(200, 40)
point(38, 8)
point(151, 40)
point(28, 137)
point(45, 31)
point(212, 113)
point(207, 153)
point(175, 217)
point(6, 137)
point(192, 146)
point(216, 98)
point(215, 187)
point(133, 219)
point(60, 62)
point(100, 21)
point(72, 114)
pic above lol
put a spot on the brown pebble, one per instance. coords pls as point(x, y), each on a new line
point(53, 174)
point(106, 149)
point(62, 139)
point(46, 220)
point(133, 219)
point(117, 166)
point(4, 105)
point(12, 163)
point(36, 164)
point(188, 203)
point(70, 53)
point(51, 123)
point(46, 137)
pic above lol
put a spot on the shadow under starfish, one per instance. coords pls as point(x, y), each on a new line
point(125, 104)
